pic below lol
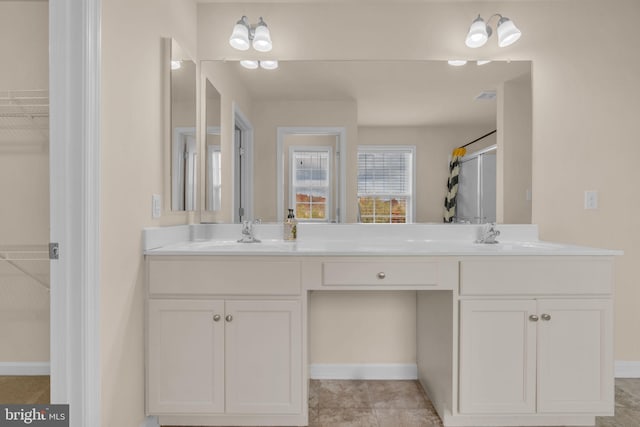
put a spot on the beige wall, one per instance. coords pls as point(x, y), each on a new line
point(24, 186)
point(584, 99)
point(133, 142)
point(514, 152)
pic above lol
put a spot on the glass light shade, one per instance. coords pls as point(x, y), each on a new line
point(478, 34)
point(262, 38)
point(269, 64)
point(175, 65)
point(457, 62)
point(483, 61)
point(240, 36)
point(249, 63)
point(508, 33)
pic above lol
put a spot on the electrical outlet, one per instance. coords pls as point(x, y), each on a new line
point(591, 199)
point(156, 206)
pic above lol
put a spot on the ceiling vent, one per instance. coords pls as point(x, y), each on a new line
point(487, 95)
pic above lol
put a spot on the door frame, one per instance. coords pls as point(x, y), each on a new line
point(241, 121)
point(74, 84)
point(341, 134)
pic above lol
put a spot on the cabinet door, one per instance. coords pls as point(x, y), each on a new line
point(185, 357)
point(263, 357)
point(497, 357)
point(575, 360)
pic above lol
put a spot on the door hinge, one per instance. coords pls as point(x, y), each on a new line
point(241, 212)
point(54, 250)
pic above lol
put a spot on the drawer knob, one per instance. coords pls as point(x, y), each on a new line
point(229, 318)
point(533, 318)
point(546, 317)
point(381, 275)
point(216, 317)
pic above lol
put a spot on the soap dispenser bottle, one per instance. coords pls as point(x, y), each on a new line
point(290, 226)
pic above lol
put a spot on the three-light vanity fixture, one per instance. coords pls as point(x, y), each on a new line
point(245, 35)
point(479, 32)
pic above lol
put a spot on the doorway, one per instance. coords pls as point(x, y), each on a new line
point(25, 291)
point(242, 167)
point(311, 173)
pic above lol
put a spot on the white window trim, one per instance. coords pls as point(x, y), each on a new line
point(329, 201)
point(341, 134)
point(411, 212)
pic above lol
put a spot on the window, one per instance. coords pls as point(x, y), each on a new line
point(214, 178)
point(311, 182)
point(385, 184)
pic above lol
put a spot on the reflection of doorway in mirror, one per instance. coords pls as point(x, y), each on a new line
point(311, 184)
point(183, 179)
point(310, 173)
point(243, 167)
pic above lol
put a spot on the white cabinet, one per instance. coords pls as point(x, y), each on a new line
point(263, 354)
point(185, 370)
point(536, 356)
point(224, 356)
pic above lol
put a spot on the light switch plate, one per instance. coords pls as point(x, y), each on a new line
point(156, 206)
point(591, 199)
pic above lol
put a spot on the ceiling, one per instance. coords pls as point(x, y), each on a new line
point(390, 93)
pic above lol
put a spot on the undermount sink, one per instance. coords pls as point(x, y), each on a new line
point(233, 245)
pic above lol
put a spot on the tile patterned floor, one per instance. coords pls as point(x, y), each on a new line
point(356, 403)
point(28, 390)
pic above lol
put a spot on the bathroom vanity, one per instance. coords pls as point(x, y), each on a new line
point(514, 333)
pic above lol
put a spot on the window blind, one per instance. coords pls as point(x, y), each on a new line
point(384, 172)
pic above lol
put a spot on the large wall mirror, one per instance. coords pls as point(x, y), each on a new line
point(184, 148)
point(429, 105)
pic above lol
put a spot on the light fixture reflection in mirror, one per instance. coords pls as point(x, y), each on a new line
point(213, 162)
point(183, 130)
point(428, 104)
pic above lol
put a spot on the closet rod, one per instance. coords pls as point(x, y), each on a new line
point(478, 139)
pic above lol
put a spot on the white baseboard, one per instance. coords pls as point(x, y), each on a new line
point(384, 371)
point(150, 422)
point(25, 368)
point(627, 369)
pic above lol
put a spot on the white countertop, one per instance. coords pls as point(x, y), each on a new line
point(358, 240)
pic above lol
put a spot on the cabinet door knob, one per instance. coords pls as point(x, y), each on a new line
point(546, 317)
point(533, 318)
point(216, 317)
point(229, 318)
point(381, 275)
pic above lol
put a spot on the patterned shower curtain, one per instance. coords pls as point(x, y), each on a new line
point(452, 184)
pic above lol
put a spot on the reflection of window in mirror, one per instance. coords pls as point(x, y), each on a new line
point(386, 177)
point(213, 184)
point(183, 129)
point(310, 183)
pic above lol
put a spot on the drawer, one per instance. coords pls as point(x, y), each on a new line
point(531, 276)
point(203, 275)
point(384, 273)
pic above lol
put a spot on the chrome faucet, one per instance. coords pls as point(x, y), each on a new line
point(247, 232)
point(489, 234)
